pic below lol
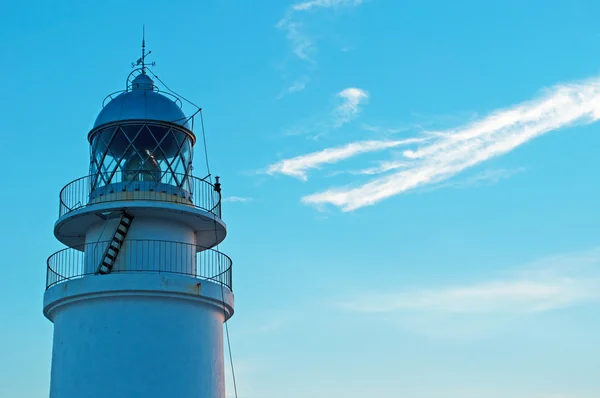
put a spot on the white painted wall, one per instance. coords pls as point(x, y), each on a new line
point(137, 335)
point(152, 228)
point(136, 255)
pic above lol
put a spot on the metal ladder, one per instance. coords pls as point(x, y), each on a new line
point(113, 249)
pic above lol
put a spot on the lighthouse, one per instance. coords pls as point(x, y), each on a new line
point(139, 296)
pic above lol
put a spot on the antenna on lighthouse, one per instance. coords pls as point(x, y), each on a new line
point(142, 60)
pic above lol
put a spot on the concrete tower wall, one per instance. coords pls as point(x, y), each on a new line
point(172, 247)
point(151, 228)
point(136, 335)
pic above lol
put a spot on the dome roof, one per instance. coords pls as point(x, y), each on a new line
point(142, 102)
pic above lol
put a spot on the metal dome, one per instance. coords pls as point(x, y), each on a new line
point(142, 103)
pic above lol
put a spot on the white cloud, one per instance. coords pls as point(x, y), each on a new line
point(352, 98)
point(297, 86)
point(308, 5)
point(238, 199)
point(450, 152)
point(486, 177)
point(298, 166)
point(492, 176)
point(488, 297)
point(302, 45)
point(385, 131)
point(382, 167)
point(551, 283)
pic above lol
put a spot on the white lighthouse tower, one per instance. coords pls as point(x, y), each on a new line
point(139, 297)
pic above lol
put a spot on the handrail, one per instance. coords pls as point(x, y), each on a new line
point(138, 255)
point(170, 187)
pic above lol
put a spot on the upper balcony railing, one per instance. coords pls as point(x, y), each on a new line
point(179, 188)
point(151, 256)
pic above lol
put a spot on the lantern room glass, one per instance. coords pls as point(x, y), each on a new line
point(141, 151)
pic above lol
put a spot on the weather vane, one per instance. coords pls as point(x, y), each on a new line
point(142, 60)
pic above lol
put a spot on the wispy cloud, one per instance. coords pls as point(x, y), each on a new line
point(486, 177)
point(495, 296)
point(303, 46)
point(387, 131)
point(298, 85)
point(382, 167)
point(348, 105)
point(492, 176)
point(299, 166)
point(237, 199)
point(542, 287)
point(352, 98)
point(450, 152)
point(309, 5)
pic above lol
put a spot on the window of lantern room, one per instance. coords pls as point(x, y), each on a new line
point(149, 152)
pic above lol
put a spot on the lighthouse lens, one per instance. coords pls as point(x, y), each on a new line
point(141, 152)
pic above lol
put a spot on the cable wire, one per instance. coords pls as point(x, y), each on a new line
point(214, 223)
point(205, 147)
point(222, 287)
point(199, 110)
point(227, 334)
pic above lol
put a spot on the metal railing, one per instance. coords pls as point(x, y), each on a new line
point(169, 187)
point(140, 256)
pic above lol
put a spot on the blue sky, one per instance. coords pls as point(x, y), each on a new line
point(411, 187)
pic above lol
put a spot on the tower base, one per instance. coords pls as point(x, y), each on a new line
point(138, 335)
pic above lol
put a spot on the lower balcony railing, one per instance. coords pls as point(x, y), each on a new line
point(140, 256)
